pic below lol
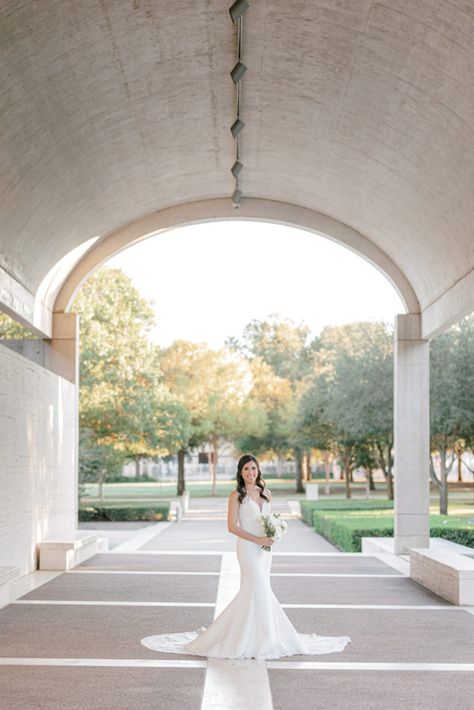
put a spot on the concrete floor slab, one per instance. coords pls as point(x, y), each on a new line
point(45, 688)
point(385, 635)
point(212, 534)
point(165, 563)
point(120, 531)
point(303, 538)
point(194, 534)
point(331, 565)
point(102, 635)
point(361, 690)
point(352, 590)
point(129, 587)
point(377, 635)
point(92, 631)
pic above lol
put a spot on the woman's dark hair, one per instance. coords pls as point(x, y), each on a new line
point(240, 479)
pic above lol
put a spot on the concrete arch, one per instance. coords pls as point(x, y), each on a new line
point(60, 300)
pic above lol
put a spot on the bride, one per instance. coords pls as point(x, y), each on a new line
point(254, 624)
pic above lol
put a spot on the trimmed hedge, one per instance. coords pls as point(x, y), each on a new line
point(451, 528)
point(307, 506)
point(346, 530)
point(158, 511)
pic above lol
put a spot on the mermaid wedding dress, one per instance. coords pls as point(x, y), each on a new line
point(254, 624)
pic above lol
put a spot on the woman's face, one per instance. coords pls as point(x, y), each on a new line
point(250, 472)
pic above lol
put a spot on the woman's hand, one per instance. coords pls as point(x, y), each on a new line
point(266, 541)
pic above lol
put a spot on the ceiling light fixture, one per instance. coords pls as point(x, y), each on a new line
point(236, 197)
point(237, 72)
point(238, 9)
point(236, 168)
point(236, 12)
point(236, 127)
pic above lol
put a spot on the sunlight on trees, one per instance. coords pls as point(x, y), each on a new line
point(272, 390)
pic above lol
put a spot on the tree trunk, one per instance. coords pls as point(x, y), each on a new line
point(215, 444)
point(101, 487)
point(299, 472)
point(327, 469)
point(389, 479)
point(181, 480)
point(386, 466)
point(309, 475)
point(443, 498)
point(304, 468)
point(347, 478)
point(347, 468)
point(443, 488)
point(368, 479)
point(137, 467)
point(459, 453)
point(370, 475)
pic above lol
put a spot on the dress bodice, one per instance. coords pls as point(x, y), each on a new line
point(249, 514)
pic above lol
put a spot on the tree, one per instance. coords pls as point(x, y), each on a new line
point(269, 402)
point(451, 402)
point(363, 393)
point(97, 462)
point(12, 330)
point(122, 400)
point(465, 374)
point(227, 386)
point(347, 408)
point(181, 366)
point(212, 385)
point(279, 351)
point(280, 342)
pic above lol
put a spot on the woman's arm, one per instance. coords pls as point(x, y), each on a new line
point(232, 514)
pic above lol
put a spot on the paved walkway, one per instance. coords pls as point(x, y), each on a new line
point(72, 640)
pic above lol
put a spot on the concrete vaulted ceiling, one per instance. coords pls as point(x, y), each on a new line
point(359, 116)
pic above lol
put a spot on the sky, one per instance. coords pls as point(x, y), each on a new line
point(208, 281)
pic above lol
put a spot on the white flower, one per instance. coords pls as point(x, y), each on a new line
point(273, 527)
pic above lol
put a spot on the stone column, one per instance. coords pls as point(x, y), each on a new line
point(411, 434)
point(63, 359)
point(63, 352)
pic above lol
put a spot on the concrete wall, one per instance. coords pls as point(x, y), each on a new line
point(38, 449)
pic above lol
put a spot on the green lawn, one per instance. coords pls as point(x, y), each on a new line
point(197, 489)
point(460, 502)
point(346, 528)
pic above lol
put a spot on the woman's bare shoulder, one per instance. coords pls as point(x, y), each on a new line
point(267, 491)
point(234, 495)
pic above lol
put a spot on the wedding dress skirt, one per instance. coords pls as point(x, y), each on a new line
point(253, 624)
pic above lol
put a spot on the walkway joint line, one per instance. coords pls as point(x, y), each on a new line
point(227, 684)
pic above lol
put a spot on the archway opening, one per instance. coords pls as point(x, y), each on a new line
point(204, 274)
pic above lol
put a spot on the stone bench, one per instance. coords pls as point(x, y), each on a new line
point(7, 574)
point(63, 553)
point(445, 572)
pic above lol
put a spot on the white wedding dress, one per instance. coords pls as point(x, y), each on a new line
point(253, 624)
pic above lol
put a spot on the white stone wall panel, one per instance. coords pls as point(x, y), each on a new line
point(38, 486)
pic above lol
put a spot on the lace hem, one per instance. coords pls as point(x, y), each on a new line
point(311, 644)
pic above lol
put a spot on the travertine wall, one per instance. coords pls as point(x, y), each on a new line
point(38, 485)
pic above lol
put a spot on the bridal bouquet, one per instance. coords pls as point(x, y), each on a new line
point(272, 526)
